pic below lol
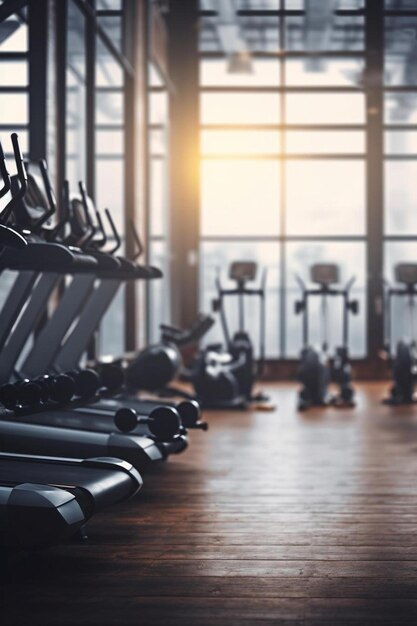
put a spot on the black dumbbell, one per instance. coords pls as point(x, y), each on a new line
point(29, 394)
point(60, 388)
point(163, 423)
point(112, 376)
point(189, 411)
point(34, 393)
point(8, 395)
point(87, 382)
point(190, 414)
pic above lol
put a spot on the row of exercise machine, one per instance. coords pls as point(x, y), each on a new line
point(320, 371)
point(76, 439)
point(73, 440)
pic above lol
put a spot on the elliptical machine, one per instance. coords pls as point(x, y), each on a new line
point(222, 376)
point(317, 369)
point(404, 364)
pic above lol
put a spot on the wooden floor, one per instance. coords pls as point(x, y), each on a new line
point(269, 518)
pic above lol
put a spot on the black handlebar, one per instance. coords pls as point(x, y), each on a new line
point(4, 174)
point(114, 231)
point(22, 177)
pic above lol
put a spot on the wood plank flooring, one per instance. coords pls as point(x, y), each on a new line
point(269, 518)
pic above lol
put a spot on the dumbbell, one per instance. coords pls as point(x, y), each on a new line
point(22, 393)
point(60, 388)
point(33, 393)
point(87, 382)
point(163, 423)
point(189, 411)
point(112, 376)
point(190, 414)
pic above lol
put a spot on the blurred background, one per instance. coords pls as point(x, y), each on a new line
point(280, 131)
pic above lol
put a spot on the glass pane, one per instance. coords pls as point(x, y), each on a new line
point(261, 33)
point(325, 197)
point(336, 32)
point(294, 5)
point(240, 142)
point(158, 217)
point(257, 33)
point(14, 108)
point(400, 197)
point(239, 108)
point(324, 72)
point(401, 142)
point(351, 258)
point(400, 108)
point(112, 25)
point(399, 252)
point(240, 197)
point(154, 76)
point(215, 255)
point(158, 142)
point(110, 189)
point(109, 107)
point(159, 290)
point(325, 108)
point(108, 72)
point(112, 329)
point(110, 142)
point(325, 142)
point(17, 35)
point(13, 73)
point(158, 107)
point(208, 40)
point(214, 72)
point(400, 50)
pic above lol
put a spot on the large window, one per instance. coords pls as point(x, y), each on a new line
point(283, 160)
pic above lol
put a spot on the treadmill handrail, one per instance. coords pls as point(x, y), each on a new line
point(22, 177)
point(4, 173)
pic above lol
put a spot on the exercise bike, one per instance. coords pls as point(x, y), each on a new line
point(223, 377)
point(318, 370)
point(404, 365)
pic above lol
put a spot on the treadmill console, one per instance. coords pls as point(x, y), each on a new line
point(243, 271)
point(406, 273)
point(325, 274)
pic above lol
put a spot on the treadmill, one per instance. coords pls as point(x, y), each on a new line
point(44, 500)
point(138, 450)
